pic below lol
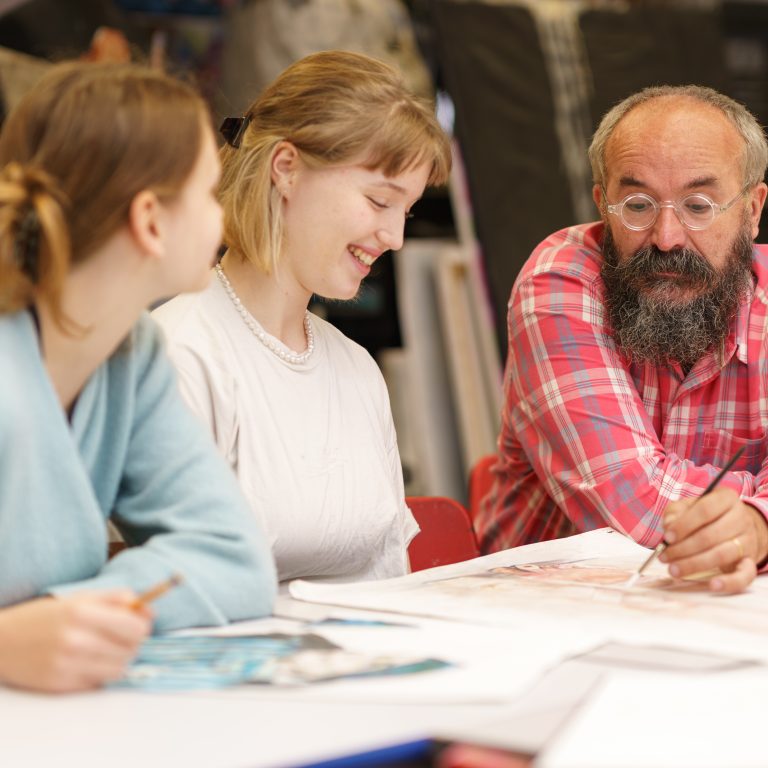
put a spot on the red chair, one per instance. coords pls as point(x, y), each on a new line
point(446, 532)
point(480, 483)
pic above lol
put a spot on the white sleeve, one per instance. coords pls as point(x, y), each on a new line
point(409, 525)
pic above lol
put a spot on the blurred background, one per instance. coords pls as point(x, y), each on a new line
point(521, 85)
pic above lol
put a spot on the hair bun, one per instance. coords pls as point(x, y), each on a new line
point(25, 192)
point(28, 183)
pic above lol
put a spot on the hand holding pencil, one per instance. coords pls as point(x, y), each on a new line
point(73, 642)
point(716, 531)
point(158, 590)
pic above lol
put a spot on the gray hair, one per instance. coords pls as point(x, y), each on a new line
point(755, 158)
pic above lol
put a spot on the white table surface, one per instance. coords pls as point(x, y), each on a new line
point(260, 727)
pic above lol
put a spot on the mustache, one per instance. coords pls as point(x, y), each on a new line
point(647, 324)
point(649, 261)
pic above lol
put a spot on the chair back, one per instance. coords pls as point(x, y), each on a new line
point(446, 532)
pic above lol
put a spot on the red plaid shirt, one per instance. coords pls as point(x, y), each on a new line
point(589, 440)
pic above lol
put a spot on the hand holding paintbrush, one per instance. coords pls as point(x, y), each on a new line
point(721, 532)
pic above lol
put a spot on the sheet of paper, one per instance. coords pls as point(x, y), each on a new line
point(667, 722)
point(181, 663)
point(482, 667)
point(568, 586)
point(541, 712)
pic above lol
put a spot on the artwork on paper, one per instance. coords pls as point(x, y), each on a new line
point(580, 580)
point(192, 662)
point(576, 572)
point(595, 584)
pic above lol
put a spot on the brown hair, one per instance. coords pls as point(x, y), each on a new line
point(334, 107)
point(74, 153)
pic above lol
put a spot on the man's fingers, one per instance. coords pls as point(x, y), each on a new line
point(723, 556)
point(708, 538)
point(675, 509)
point(681, 521)
point(736, 581)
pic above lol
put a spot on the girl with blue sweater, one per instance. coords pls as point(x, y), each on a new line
point(107, 203)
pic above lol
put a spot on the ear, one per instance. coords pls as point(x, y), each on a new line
point(756, 203)
point(285, 164)
point(144, 223)
point(597, 196)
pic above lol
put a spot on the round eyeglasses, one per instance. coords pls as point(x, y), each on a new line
point(639, 211)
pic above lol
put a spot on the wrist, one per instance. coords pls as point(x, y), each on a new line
point(760, 525)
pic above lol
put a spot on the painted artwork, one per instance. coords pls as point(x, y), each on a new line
point(597, 586)
point(582, 580)
point(595, 574)
point(187, 662)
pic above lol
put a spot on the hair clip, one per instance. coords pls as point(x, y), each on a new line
point(233, 128)
point(27, 244)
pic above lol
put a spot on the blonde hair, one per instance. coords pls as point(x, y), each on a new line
point(335, 107)
point(74, 153)
point(755, 155)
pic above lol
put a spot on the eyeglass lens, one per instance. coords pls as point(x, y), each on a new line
point(695, 211)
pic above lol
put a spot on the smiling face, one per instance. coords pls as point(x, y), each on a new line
point(338, 220)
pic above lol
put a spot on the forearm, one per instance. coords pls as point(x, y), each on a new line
point(225, 579)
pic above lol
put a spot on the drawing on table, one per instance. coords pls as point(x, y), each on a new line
point(573, 571)
point(584, 571)
point(191, 662)
point(591, 584)
point(580, 578)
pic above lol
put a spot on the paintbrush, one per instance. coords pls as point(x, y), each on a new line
point(663, 544)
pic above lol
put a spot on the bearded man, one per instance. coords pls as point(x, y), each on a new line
point(638, 348)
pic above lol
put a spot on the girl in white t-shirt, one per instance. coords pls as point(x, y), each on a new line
point(318, 179)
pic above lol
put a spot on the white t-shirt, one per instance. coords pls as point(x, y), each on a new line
point(312, 444)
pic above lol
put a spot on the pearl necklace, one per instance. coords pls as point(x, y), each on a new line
point(269, 342)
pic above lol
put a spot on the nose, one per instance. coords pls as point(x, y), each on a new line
point(391, 234)
point(668, 232)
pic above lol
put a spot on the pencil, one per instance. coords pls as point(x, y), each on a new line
point(663, 544)
point(159, 589)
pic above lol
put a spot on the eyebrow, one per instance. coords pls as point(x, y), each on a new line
point(391, 185)
point(630, 181)
point(699, 181)
point(702, 181)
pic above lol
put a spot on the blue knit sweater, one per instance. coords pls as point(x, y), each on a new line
point(133, 454)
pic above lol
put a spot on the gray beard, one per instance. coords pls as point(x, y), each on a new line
point(650, 323)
